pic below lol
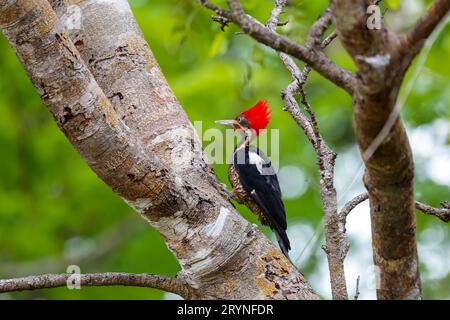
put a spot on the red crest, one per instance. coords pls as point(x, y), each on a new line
point(258, 116)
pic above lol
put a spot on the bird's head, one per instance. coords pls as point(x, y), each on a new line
point(251, 121)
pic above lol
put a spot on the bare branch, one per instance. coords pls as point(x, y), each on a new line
point(337, 244)
point(441, 213)
point(44, 281)
point(336, 241)
point(312, 114)
point(217, 9)
point(291, 105)
point(318, 60)
point(309, 126)
point(298, 77)
point(274, 19)
point(329, 39)
point(315, 41)
point(317, 30)
point(222, 21)
point(416, 37)
point(349, 206)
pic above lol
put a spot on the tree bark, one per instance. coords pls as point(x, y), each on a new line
point(173, 285)
point(389, 164)
point(137, 139)
point(336, 240)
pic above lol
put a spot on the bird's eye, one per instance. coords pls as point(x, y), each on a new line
point(240, 119)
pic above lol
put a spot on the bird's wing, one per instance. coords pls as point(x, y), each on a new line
point(260, 181)
point(279, 231)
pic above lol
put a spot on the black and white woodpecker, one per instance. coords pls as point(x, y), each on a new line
point(252, 177)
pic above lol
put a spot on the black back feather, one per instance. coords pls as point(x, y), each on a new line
point(264, 189)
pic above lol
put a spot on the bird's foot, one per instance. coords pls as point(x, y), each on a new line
point(229, 193)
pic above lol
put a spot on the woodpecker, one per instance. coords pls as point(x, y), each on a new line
point(252, 177)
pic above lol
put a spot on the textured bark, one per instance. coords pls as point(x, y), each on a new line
point(336, 240)
point(137, 139)
point(389, 180)
point(388, 159)
point(382, 59)
point(441, 213)
point(96, 280)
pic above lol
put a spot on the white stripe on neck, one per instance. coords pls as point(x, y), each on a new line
point(255, 159)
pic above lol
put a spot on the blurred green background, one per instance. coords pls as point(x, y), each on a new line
point(55, 212)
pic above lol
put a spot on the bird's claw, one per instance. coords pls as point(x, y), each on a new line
point(229, 193)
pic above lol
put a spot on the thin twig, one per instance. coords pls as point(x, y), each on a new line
point(349, 206)
point(357, 288)
point(217, 9)
point(314, 40)
point(329, 39)
point(222, 21)
point(312, 114)
point(44, 281)
point(337, 243)
point(441, 213)
point(317, 30)
point(274, 19)
point(298, 78)
point(426, 24)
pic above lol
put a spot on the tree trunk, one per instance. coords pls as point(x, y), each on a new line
point(384, 147)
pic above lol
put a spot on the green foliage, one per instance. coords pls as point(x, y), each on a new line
point(393, 4)
point(53, 205)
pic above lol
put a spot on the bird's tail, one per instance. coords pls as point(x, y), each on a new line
point(283, 241)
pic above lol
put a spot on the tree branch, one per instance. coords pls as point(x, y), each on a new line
point(441, 213)
point(298, 79)
point(349, 206)
point(318, 61)
point(336, 241)
point(384, 146)
point(329, 39)
point(45, 281)
point(317, 30)
point(350, 18)
point(217, 9)
point(416, 37)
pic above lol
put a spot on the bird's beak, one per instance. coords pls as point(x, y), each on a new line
point(227, 122)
